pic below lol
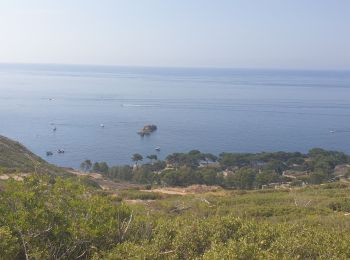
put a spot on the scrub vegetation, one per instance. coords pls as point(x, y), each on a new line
point(47, 216)
point(232, 170)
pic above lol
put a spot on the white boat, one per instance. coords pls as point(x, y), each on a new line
point(332, 131)
point(157, 148)
point(102, 125)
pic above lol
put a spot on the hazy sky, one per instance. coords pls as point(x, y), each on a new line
point(199, 33)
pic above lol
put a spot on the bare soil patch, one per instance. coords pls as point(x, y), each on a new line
point(193, 189)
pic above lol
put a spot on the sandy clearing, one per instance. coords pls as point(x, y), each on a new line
point(17, 176)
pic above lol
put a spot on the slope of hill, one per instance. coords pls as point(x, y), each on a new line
point(14, 157)
point(49, 217)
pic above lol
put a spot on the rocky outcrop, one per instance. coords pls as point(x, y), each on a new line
point(147, 130)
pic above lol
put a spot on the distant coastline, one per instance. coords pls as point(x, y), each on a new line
point(228, 170)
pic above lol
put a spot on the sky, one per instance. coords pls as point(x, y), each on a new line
point(301, 34)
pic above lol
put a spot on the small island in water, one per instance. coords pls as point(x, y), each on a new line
point(147, 130)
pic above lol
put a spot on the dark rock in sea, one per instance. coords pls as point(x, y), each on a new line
point(147, 130)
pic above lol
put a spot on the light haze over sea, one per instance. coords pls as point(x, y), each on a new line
point(213, 110)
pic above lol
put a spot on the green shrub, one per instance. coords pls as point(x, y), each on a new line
point(340, 205)
point(9, 244)
point(139, 195)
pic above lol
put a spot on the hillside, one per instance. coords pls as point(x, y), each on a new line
point(62, 219)
point(14, 157)
point(49, 217)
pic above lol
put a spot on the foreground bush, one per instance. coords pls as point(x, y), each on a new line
point(45, 218)
point(54, 218)
point(234, 238)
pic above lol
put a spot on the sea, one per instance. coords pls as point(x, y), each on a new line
point(211, 110)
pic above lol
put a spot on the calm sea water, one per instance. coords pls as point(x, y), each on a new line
point(213, 110)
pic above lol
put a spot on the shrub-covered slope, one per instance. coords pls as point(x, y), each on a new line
point(50, 217)
point(14, 157)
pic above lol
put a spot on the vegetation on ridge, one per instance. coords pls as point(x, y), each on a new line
point(45, 216)
point(61, 218)
point(233, 170)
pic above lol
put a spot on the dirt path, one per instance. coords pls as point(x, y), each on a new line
point(171, 191)
point(194, 189)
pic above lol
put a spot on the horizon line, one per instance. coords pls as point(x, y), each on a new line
point(173, 67)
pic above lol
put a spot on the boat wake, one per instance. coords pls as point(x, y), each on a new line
point(138, 105)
